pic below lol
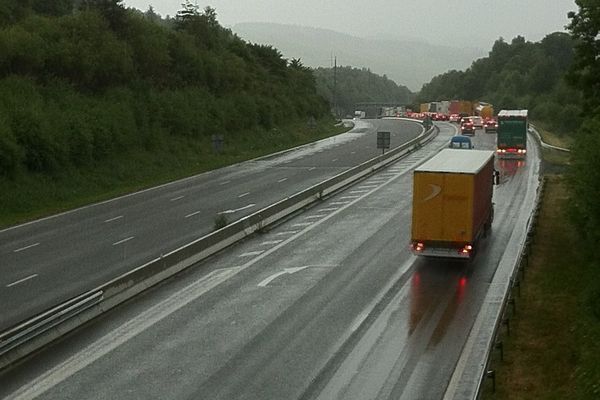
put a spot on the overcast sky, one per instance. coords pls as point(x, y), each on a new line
point(475, 23)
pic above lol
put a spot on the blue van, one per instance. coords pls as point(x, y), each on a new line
point(461, 142)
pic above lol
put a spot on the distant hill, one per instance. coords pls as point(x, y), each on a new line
point(409, 63)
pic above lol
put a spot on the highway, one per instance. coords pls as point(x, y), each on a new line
point(49, 261)
point(330, 304)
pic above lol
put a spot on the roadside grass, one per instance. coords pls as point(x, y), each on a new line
point(554, 139)
point(553, 351)
point(30, 196)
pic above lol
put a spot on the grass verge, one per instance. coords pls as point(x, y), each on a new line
point(554, 344)
point(29, 196)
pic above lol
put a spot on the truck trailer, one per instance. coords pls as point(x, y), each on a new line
point(511, 140)
point(452, 203)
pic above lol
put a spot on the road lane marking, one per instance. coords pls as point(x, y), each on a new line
point(192, 214)
point(317, 216)
point(22, 280)
point(290, 271)
point(122, 334)
point(339, 203)
point(312, 168)
point(252, 253)
point(367, 186)
point(329, 209)
point(349, 197)
point(177, 198)
point(302, 224)
point(243, 195)
point(282, 180)
point(359, 191)
point(334, 160)
point(270, 242)
point(145, 320)
point(237, 209)
point(123, 241)
point(26, 247)
point(224, 183)
point(286, 233)
point(113, 219)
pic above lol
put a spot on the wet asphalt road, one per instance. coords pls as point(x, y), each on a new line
point(328, 305)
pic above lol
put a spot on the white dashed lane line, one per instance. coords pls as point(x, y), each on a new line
point(315, 216)
point(224, 183)
point(192, 214)
point(123, 241)
point(282, 180)
point(113, 219)
point(22, 280)
point(285, 233)
point(177, 198)
point(26, 247)
point(302, 224)
point(243, 195)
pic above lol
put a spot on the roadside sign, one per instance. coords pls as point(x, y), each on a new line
point(383, 141)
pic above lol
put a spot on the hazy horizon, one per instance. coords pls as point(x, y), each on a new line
point(472, 23)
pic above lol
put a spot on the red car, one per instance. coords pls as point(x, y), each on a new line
point(467, 128)
point(490, 125)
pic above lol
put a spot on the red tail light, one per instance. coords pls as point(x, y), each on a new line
point(418, 246)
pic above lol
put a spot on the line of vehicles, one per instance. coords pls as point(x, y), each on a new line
point(452, 192)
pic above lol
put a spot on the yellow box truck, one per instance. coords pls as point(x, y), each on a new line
point(452, 203)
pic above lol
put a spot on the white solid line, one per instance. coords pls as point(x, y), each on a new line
point(270, 242)
point(113, 219)
point(177, 198)
point(282, 180)
point(252, 253)
point(123, 241)
point(22, 280)
point(26, 247)
point(192, 214)
point(243, 195)
point(302, 224)
point(224, 183)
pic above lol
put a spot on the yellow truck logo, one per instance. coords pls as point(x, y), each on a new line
point(435, 190)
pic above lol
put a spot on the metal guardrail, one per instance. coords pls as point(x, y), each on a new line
point(468, 383)
point(31, 335)
point(545, 145)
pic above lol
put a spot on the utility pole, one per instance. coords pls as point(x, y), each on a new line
point(335, 110)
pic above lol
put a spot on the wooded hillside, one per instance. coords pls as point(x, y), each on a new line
point(85, 80)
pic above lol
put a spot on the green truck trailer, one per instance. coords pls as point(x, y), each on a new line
point(511, 141)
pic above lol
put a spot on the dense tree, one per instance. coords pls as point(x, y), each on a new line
point(355, 85)
point(519, 74)
point(585, 75)
point(85, 81)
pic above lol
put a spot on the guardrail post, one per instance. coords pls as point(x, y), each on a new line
point(500, 346)
point(506, 322)
point(491, 374)
point(513, 304)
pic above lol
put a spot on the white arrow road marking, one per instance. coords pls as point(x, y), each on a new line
point(122, 334)
point(237, 209)
point(268, 280)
